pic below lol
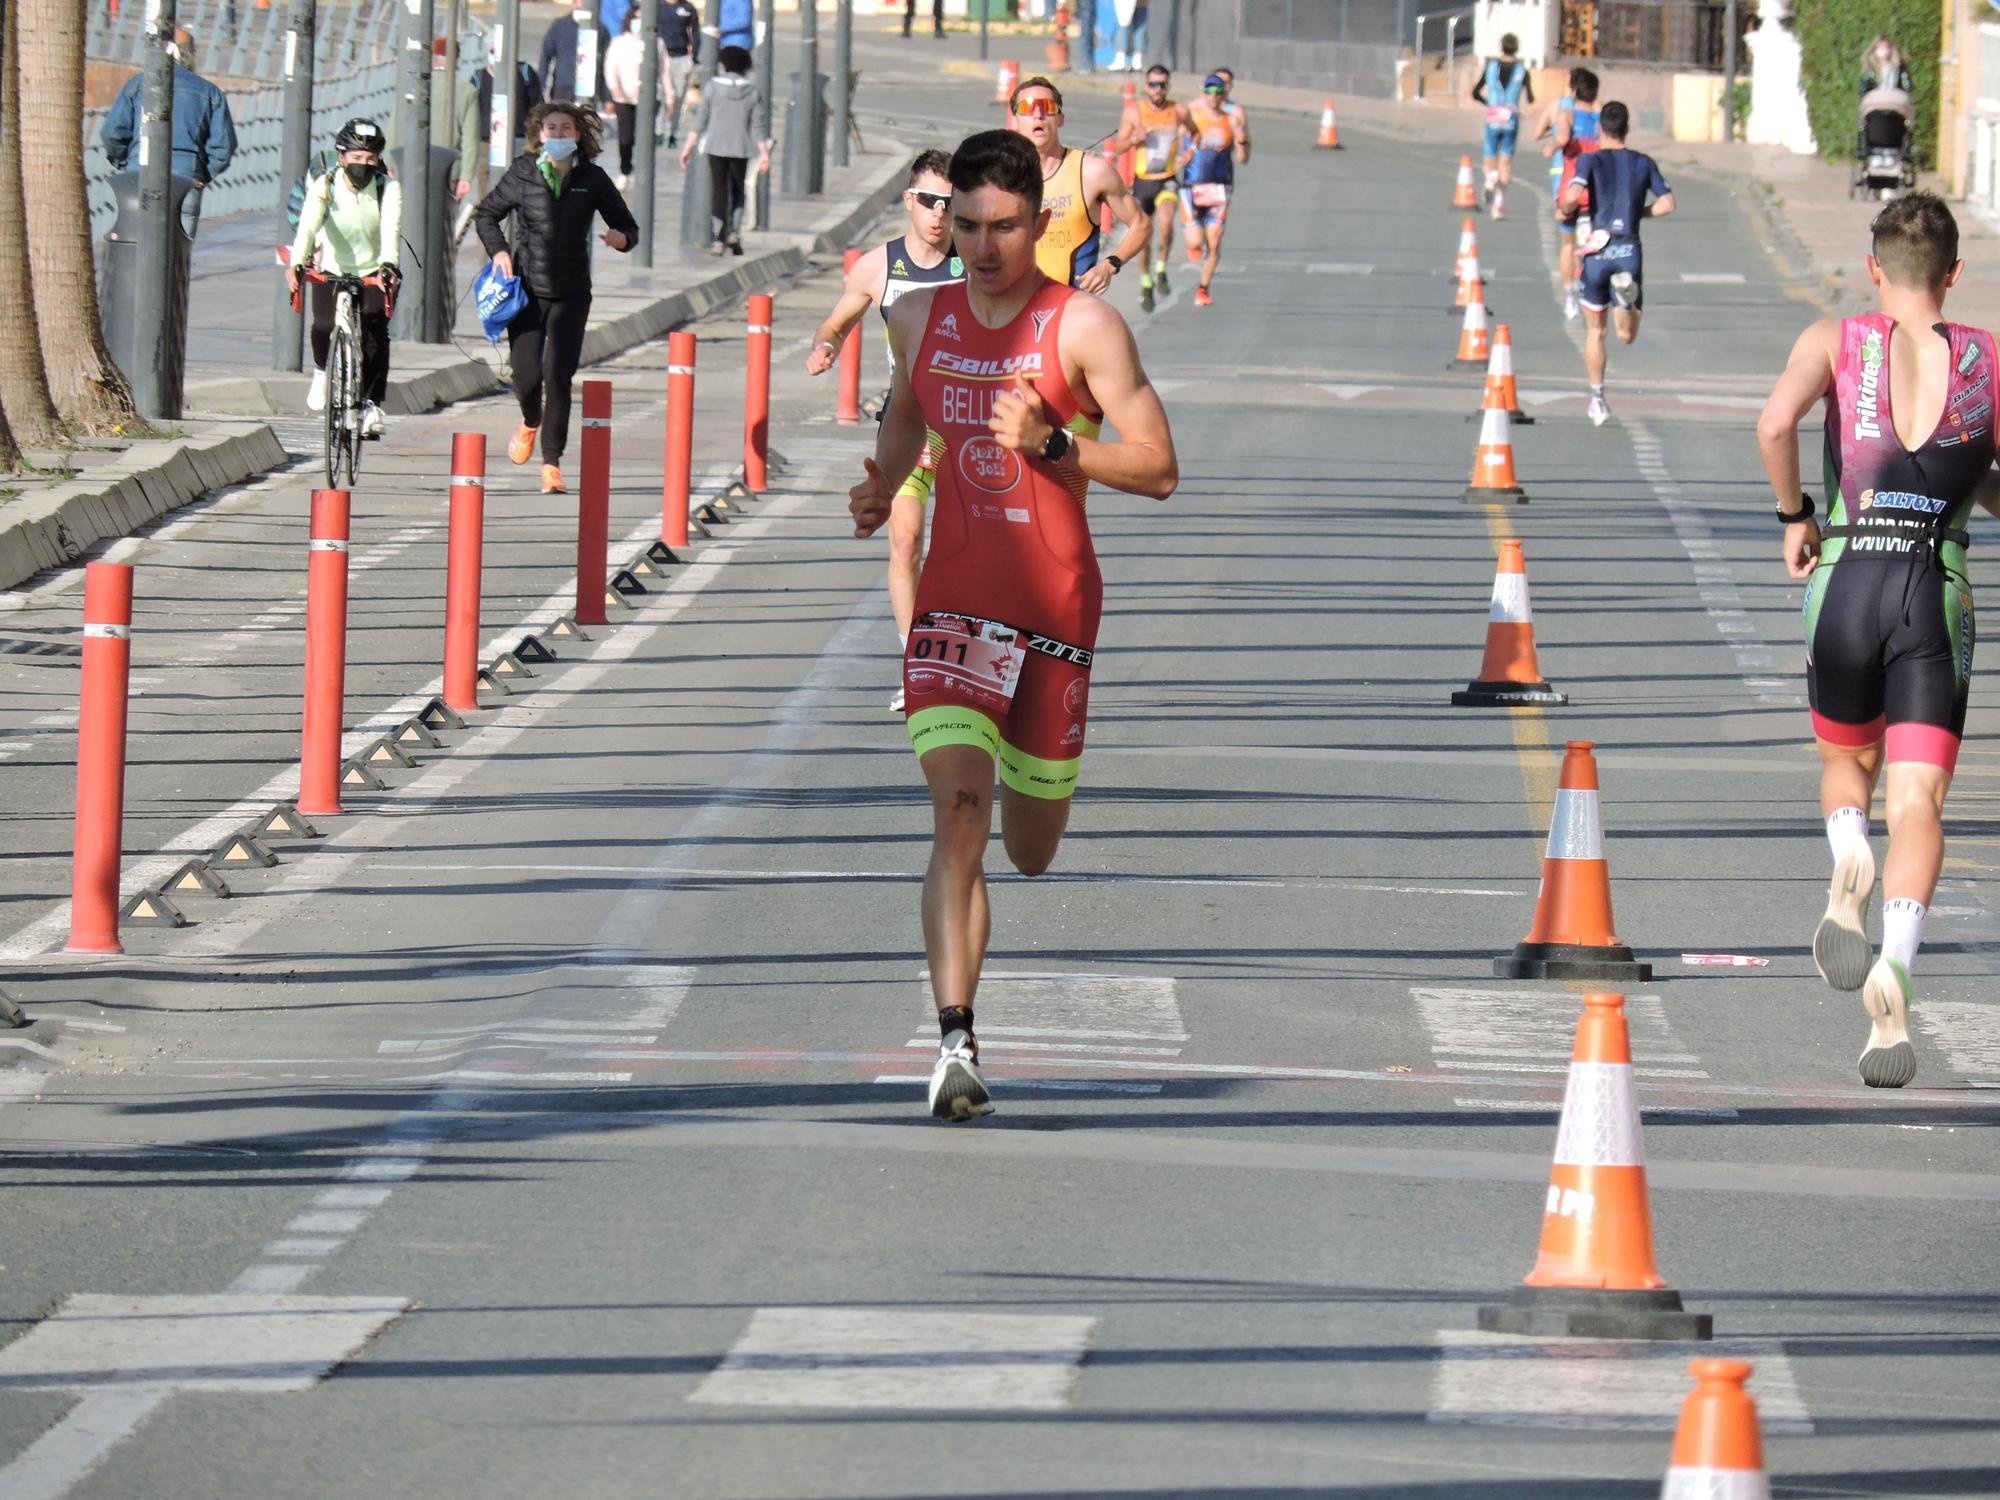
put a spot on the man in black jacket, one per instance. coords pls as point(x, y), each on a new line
point(680, 34)
point(573, 56)
point(553, 194)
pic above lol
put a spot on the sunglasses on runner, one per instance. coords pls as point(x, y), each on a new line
point(1156, 83)
point(930, 200)
point(1029, 109)
point(1215, 88)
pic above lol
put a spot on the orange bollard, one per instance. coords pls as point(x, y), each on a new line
point(848, 412)
point(1501, 394)
point(326, 656)
point(1594, 1276)
point(679, 475)
point(757, 402)
point(1718, 1450)
point(1509, 673)
point(462, 567)
point(1473, 346)
point(1493, 464)
point(1572, 936)
point(100, 758)
point(593, 505)
point(1329, 128)
point(1006, 81)
point(1128, 159)
point(1466, 194)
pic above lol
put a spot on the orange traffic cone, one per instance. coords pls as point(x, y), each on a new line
point(1493, 464)
point(1718, 1451)
point(1509, 673)
point(1473, 348)
point(1468, 246)
point(1594, 1277)
point(1572, 936)
point(1471, 281)
point(1004, 83)
point(1329, 128)
point(1500, 392)
point(1466, 195)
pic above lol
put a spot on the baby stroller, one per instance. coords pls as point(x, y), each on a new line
point(1882, 164)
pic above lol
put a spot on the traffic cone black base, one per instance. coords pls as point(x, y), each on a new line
point(1571, 961)
point(1519, 418)
point(1583, 1313)
point(1506, 694)
point(1481, 494)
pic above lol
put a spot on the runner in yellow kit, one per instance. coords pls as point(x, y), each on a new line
point(1074, 186)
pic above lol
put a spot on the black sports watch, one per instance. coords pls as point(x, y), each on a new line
point(1115, 263)
point(1058, 444)
point(1803, 513)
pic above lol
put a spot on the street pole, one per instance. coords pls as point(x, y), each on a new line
point(985, 8)
point(1729, 71)
point(302, 24)
point(642, 128)
point(506, 73)
point(696, 229)
point(456, 12)
point(843, 66)
point(802, 158)
point(767, 52)
point(156, 248)
point(413, 303)
point(1086, 22)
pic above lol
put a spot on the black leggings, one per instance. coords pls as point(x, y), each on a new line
point(374, 322)
point(546, 344)
point(628, 115)
point(725, 196)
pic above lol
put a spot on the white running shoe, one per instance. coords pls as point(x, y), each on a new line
point(1597, 411)
point(316, 393)
point(1888, 1061)
point(957, 1090)
point(371, 420)
point(1571, 307)
point(896, 703)
point(621, 179)
point(1624, 290)
point(1840, 942)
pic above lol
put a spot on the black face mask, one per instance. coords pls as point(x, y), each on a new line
point(359, 174)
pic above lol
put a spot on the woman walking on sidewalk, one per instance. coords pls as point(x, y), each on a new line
point(730, 122)
point(553, 191)
point(622, 66)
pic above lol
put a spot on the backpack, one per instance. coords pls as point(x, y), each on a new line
point(319, 165)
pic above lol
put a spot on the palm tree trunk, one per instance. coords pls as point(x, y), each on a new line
point(10, 456)
point(24, 382)
point(88, 390)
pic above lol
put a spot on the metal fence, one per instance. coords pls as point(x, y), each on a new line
point(238, 39)
point(253, 183)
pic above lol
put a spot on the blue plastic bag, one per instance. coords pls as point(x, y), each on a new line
point(499, 299)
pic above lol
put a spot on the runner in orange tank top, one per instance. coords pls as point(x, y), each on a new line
point(1004, 382)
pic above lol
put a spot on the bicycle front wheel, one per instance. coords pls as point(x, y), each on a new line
point(350, 396)
point(336, 410)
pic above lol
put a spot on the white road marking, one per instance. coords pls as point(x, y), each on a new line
point(1079, 1008)
point(1351, 392)
point(56, 1460)
point(1338, 268)
point(874, 1359)
point(216, 1343)
point(1615, 1385)
point(1048, 1085)
point(1968, 1033)
point(1713, 278)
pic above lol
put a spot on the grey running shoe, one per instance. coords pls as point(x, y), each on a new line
point(1624, 290)
point(957, 1090)
point(1888, 1061)
point(1840, 944)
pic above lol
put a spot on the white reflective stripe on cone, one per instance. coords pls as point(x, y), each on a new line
point(1574, 831)
point(1510, 600)
point(1600, 1118)
point(1493, 428)
point(1715, 1484)
point(1503, 359)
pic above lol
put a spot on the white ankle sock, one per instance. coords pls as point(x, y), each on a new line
point(1845, 827)
point(1902, 929)
point(1492, 181)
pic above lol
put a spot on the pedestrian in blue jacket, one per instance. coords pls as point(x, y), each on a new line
point(204, 133)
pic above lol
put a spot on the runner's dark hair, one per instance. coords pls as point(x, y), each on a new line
point(1037, 82)
point(1161, 68)
point(1002, 159)
point(932, 161)
point(1583, 84)
point(734, 59)
point(1509, 45)
point(1916, 240)
point(1614, 121)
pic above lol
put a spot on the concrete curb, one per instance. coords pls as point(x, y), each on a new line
point(138, 486)
point(151, 478)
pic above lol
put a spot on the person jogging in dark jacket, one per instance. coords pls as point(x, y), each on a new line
point(553, 191)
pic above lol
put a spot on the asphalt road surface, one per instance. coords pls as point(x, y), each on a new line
point(555, 1126)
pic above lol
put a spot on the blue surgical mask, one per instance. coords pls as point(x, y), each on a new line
point(558, 150)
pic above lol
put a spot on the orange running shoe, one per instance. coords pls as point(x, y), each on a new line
point(1194, 254)
point(552, 483)
point(522, 444)
point(1201, 297)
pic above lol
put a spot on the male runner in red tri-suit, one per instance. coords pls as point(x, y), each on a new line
point(1007, 380)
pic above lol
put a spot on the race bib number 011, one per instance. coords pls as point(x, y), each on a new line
point(980, 658)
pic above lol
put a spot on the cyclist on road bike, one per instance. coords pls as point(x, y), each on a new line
point(351, 225)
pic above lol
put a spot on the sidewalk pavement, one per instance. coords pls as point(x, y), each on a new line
point(107, 489)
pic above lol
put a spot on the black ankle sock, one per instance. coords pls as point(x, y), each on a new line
point(954, 1018)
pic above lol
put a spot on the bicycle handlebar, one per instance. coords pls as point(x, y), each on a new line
point(313, 273)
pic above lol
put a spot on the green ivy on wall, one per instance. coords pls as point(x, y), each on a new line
point(1832, 34)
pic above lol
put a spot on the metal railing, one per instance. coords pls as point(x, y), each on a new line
point(253, 182)
point(1667, 33)
point(1451, 18)
point(238, 39)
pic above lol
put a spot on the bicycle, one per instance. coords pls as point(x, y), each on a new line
point(343, 368)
